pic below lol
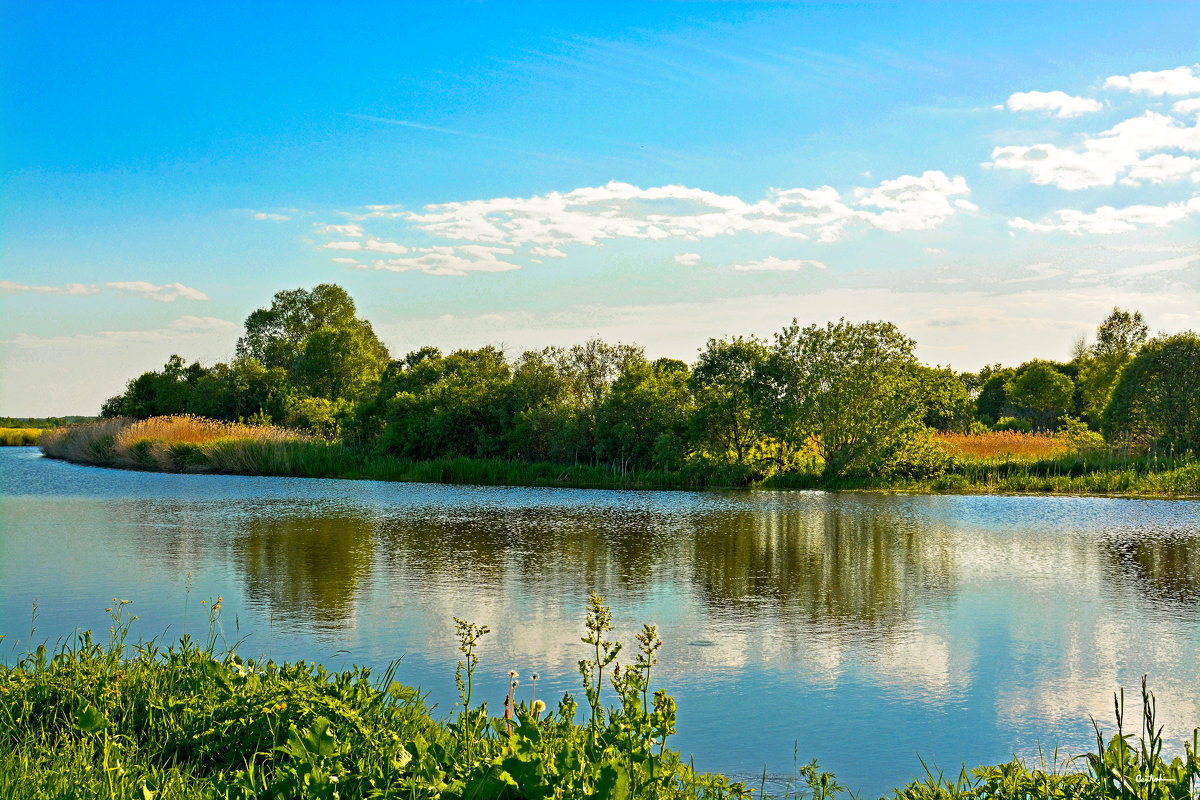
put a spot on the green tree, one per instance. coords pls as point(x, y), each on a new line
point(853, 388)
point(278, 336)
point(1156, 399)
point(341, 362)
point(153, 394)
point(993, 401)
point(727, 417)
point(947, 406)
point(1042, 393)
point(1117, 341)
point(643, 421)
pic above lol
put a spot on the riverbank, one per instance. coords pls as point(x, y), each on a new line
point(190, 444)
point(198, 719)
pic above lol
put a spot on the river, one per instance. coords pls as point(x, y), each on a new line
point(858, 629)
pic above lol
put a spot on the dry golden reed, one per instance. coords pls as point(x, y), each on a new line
point(1005, 444)
point(173, 443)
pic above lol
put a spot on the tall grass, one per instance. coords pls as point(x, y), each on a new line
point(198, 720)
point(19, 437)
point(1004, 444)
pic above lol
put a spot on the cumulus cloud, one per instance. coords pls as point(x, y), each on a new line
point(353, 231)
point(687, 259)
point(590, 215)
point(1060, 104)
point(69, 289)
point(1107, 220)
point(1178, 81)
point(773, 264)
point(449, 260)
point(1187, 107)
point(1117, 154)
point(167, 293)
point(371, 245)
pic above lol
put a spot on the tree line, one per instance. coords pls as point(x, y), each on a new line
point(851, 398)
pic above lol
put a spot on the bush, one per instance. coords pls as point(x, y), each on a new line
point(1014, 424)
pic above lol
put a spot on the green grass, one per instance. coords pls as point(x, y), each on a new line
point(19, 437)
point(197, 720)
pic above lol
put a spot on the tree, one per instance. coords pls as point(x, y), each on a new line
point(947, 406)
point(1042, 393)
point(341, 362)
point(1117, 340)
point(1121, 333)
point(643, 421)
point(853, 388)
point(276, 336)
point(993, 401)
point(727, 416)
point(1156, 399)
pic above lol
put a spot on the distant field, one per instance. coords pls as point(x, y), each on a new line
point(19, 437)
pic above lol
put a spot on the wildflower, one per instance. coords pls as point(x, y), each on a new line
point(538, 708)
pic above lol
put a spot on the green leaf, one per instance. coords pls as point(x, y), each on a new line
point(613, 783)
point(90, 719)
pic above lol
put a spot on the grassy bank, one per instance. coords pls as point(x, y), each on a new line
point(990, 463)
point(198, 720)
point(20, 437)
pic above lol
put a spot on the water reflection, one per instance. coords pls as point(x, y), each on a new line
point(1165, 569)
point(305, 569)
point(988, 624)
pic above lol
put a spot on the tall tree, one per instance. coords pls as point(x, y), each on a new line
point(1117, 341)
point(276, 336)
point(853, 388)
point(1156, 399)
point(1042, 393)
point(723, 383)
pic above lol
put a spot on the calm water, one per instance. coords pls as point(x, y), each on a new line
point(857, 629)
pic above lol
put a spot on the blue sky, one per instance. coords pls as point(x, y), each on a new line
point(991, 177)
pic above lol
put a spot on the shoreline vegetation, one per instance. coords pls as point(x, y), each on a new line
point(843, 405)
point(984, 462)
point(198, 720)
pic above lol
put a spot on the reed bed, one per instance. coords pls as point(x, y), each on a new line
point(1004, 444)
point(20, 437)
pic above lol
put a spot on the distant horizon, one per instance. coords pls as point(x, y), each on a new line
point(992, 179)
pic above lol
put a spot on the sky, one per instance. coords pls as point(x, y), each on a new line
point(992, 178)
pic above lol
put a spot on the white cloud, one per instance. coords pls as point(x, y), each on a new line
point(1060, 104)
point(687, 259)
point(167, 293)
point(588, 216)
point(271, 217)
point(344, 260)
point(1181, 80)
point(773, 264)
point(1185, 107)
point(1106, 219)
point(371, 245)
point(69, 289)
point(354, 231)
point(448, 260)
point(1105, 158)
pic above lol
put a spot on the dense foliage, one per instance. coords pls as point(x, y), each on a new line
point(844, 399)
